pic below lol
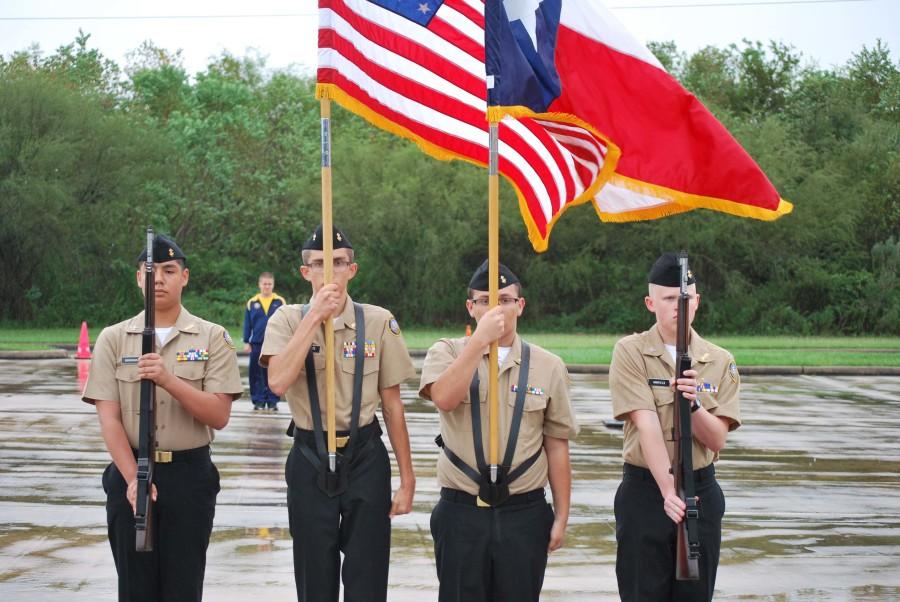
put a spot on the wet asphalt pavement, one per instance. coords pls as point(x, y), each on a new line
point(812, 483)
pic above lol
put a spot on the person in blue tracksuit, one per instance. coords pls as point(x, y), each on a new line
point(256, 316)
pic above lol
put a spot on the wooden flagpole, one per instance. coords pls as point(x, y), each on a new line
point(328, 250)
point(493, 292)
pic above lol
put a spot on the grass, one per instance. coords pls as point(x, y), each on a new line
point(584, 348)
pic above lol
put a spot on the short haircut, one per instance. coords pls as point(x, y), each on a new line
point(304, 255)
point(266, 275)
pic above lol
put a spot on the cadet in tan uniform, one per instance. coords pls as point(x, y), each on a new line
point(646, 505)
point(350, 514)
point(196, 373)
point(491, 542)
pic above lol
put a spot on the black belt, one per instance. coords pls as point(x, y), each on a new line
point(636, 472)
point(184, 455)
point(461, 497)
point(363, 434)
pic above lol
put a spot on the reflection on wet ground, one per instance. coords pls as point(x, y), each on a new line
point(811, 481)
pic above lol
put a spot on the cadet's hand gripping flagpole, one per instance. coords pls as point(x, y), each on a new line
point(493, 292)
point(327, 248)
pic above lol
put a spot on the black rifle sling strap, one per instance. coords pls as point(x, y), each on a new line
point(692, 512)
point(478, 475)
point(320, 457)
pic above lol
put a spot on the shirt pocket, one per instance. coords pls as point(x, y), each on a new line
point(129, 384)
point(191, 373)
point(534, 408)
point(127, 373)
point(663, 396)
point(534, 402)
point(348, 365)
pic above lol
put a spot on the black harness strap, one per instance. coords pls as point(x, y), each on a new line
point(319, 458)
point(498, 492)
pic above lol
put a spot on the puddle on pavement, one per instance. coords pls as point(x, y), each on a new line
point(811, 481)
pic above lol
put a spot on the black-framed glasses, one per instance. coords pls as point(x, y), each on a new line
point(340, 265)
point(505, 301)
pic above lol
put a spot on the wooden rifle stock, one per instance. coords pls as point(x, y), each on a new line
point(687, 565)
point(143, 515)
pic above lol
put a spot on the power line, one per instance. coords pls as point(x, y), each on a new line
point(717, 4)
point(156, 17)
point(736, 3)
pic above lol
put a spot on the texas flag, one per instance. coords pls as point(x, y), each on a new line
point(572, 63)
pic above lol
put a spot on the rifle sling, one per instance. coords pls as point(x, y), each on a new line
point(692, 514)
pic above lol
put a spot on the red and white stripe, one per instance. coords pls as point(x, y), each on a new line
point(430, 81)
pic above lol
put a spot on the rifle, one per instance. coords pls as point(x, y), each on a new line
point(143, 515)
point(687, 548)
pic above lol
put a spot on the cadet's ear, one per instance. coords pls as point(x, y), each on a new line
point(185, 276)
point(305, 273)
point(354, 267)
point(648, 301)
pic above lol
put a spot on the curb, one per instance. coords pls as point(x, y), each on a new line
point(55, 354)
point(41, 354)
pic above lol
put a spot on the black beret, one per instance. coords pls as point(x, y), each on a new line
point(164, 249)
point(479, 281)
point(339, 241)
point(667, 272)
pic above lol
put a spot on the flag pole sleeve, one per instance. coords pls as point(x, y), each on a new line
point(493, 268)
point(328, 250)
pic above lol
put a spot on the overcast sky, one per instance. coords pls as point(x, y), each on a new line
point(825, 31)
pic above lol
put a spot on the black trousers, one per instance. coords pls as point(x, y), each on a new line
point(183, 515)
point(494, 554)
point(645, 556)
point(355, 523)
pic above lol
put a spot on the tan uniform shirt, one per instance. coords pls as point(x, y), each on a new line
point(386, 363)
point(640, 359)
point(198, 352)
point(548, 411)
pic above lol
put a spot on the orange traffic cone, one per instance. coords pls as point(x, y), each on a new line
point(468, 330)
point(84, 344)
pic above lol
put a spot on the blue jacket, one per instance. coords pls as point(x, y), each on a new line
point(255, 319)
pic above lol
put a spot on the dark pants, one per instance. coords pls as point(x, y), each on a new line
point(183, 515)
point(645, 556)
point(260, 393)
point(494, 554)
point(355, 523)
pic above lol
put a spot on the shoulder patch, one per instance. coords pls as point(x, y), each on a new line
point(227, 338)
point(394, 326)
point(732, 372)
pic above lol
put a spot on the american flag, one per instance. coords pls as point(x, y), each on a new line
point(417, 69)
